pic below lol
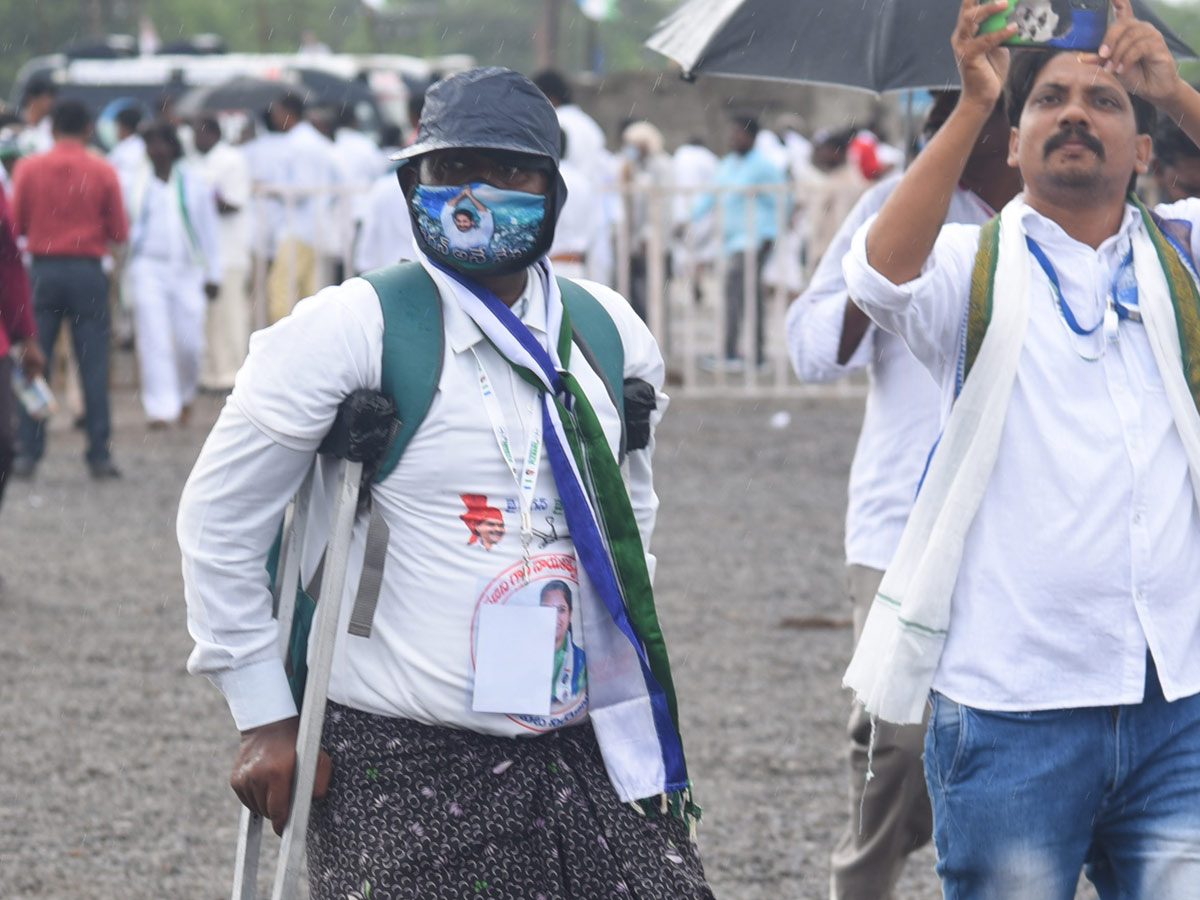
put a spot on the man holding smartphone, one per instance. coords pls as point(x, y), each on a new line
point(1045, 595)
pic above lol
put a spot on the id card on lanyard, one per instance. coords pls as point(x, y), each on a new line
point(515, 650)
point(525, 468)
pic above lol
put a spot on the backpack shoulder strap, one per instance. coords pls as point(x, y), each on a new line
point(413, 341)
point(598, 339)
point(979, 307)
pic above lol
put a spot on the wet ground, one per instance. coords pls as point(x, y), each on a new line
point(114, 761)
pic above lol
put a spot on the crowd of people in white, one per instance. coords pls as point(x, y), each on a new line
point(228, 230)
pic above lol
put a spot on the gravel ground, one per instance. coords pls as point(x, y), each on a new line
point(114, 764)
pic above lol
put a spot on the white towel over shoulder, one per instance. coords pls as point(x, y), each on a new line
point(897, 656)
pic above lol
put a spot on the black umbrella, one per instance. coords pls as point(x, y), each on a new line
point(240, 92)
point(873, 45)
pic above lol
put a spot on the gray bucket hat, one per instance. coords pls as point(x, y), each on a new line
point(489, 108)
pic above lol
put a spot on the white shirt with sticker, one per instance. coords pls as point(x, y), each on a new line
point(453, 508)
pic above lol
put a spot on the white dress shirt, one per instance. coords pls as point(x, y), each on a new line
point(228, 171)
point(901, 419)
point(36, 138)
point(264, 210)
point(769, 145)
point(128, 155)
point(418, 662)
point(362, 162)
point(582, 227)
point(693, 166)
point(387, 235)
point(1083, 552)
point(304, 159)
point(158, 222)
point(585, 140)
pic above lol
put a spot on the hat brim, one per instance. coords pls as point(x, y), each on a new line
point(420, 148)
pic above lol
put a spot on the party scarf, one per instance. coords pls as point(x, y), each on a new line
point(631, 696)
point(897, 655)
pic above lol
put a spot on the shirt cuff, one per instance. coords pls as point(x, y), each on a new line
point(257, 694)
point(869, 289)
point(814, 337)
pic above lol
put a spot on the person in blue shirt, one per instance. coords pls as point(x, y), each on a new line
point(744, 166)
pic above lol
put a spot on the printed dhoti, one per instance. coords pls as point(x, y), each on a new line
point(417, 811)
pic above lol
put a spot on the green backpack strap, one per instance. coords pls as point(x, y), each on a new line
point(597, 337)
point(414, 339)
point(413, 342)
point(979, 307)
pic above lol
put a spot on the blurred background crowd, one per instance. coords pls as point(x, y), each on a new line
point(251, 148)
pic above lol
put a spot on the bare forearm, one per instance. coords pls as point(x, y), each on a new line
point(904, 232)
point(1184, 110)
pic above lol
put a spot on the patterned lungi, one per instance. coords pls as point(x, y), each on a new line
point(429, 813)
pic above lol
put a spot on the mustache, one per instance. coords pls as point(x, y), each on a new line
point(1073, 133)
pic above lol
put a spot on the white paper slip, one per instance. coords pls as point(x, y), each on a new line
point(514, 660)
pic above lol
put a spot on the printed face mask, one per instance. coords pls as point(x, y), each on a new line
point(479, 229)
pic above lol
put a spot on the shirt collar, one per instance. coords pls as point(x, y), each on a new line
point(70, 145)
point(1047, 231)
point(462, 332)
point(307, 131)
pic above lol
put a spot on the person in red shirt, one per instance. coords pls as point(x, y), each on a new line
point(16, 328)
point(67, 204)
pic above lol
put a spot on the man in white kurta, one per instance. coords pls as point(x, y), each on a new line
point(174, 265)
point(828, 338)
point(1044, 594)
point(386, 236)
point(129, 152)
point(227, 325)
point(583, 237)
point(305, 217)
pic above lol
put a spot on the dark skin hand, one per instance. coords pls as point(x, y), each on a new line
point(33, 363)
point(988, 175)
point(262, 770)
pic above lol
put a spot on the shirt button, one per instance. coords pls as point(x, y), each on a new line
point(1137, 518)
point(1139, 596)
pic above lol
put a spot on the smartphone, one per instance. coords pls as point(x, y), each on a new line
point(35, 395)
point(1057, 24)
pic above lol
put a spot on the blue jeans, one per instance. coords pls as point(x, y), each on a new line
point(74, 288)
point(1022, 801)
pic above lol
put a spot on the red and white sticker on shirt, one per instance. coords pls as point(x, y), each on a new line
point(553, 583)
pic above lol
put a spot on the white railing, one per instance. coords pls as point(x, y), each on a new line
point(684, 287)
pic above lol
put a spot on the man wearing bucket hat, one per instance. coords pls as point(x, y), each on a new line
point(449, 773)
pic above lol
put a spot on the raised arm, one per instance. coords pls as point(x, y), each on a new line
point(903, 234)
point(466, 191)
point(1137, 55)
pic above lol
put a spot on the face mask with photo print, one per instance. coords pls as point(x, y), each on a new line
point(478, 229)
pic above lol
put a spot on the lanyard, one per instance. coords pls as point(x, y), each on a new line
point(524, 472)
point(1122, 302)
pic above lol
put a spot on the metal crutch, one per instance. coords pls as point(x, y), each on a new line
point(312, 712)
point(295, 522)
point(361, 419)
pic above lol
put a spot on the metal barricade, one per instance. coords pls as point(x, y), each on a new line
point(686, 293)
